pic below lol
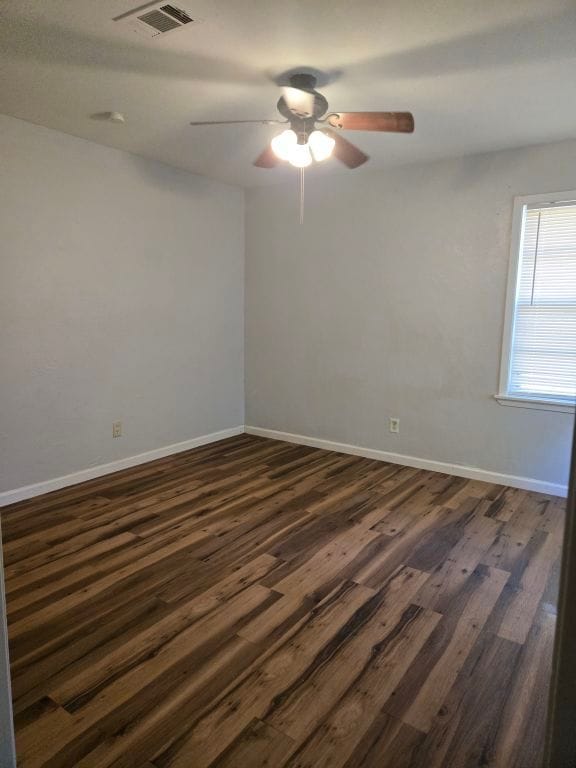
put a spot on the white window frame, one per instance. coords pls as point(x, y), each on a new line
point(543, 404)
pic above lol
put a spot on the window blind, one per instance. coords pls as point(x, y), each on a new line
point(543, 353)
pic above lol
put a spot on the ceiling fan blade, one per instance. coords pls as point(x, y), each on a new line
point(299, 102)
point(396, 122)
point(345, 151)
point(266, 159)
point(235, 122)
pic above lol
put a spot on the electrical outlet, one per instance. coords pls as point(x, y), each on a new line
point(117, 429)
point(394, 425)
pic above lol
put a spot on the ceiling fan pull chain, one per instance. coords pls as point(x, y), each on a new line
point(301, 195)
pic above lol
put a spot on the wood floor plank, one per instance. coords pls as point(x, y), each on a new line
point(66, 660)
point(139, 647)
point(465, 730)
point(121, 701)
point(34, 578)
point(198, 748)
point(255, 603)
point(327, 562)
point(65, 630)
point(388, 743)
point(334, 742)
point(280, 616)
point(444, 672)
point(34, 620)
point(521, 741)
point(405, 549)
point(520, 615)
point(149, 730)
point(317, 690)
point(477, 537)
point(258, 746)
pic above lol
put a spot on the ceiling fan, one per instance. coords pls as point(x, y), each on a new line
point(311, 136)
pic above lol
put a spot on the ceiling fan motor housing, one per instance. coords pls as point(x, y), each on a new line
point(303, 126)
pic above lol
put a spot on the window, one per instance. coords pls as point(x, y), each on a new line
point(539, 350)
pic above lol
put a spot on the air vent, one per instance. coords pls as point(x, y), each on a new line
point(154, 19)
point(159, 21)
point(177, 14)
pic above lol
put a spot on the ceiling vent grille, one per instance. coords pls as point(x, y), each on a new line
point(155, 19)
point(176, 13)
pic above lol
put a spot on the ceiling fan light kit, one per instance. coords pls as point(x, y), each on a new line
point(300, 150)
point(304, 141)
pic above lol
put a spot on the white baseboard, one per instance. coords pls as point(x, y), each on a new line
point(29, 491)
point(472, 473)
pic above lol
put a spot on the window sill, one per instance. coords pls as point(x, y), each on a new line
point(535, 403)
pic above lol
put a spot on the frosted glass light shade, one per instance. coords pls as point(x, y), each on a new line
point(300, 156)
point(321, 145)
point(283, 143)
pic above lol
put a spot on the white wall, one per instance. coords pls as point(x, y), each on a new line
point(121, 298)
point(389, 301)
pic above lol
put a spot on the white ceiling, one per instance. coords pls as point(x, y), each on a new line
point(477, 75)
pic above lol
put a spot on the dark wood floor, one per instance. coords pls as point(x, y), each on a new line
point(253, 603)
